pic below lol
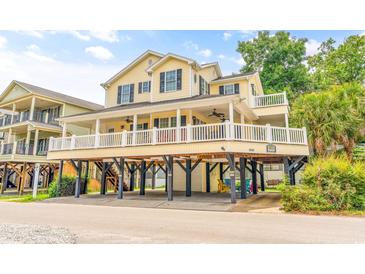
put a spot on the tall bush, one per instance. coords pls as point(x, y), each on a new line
point(329, 183)
point(66, 188)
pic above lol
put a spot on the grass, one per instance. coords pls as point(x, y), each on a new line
point(349, 213)
point(272, 189)
point(24, 198)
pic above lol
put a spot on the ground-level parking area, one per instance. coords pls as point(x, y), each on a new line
point(198, 201)
point(48, 222)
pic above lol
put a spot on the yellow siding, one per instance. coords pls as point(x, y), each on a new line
point(214, 87)
point(171, 64)
point(134, 76)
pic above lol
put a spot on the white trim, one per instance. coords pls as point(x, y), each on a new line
point(191, 80)
point(167, 56)
point(232, 79)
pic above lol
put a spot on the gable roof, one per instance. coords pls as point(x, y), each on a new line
point(168, 56)
point(52, 95)
point(131, 65)
point(216, 65)
point(239, 75)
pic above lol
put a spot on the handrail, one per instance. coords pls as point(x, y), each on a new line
point(269, 100)
point(186, 134)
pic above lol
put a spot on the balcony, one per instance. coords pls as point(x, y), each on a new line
point(188, 134)
point(269, 100)
point(39, 116)
point(22, 149)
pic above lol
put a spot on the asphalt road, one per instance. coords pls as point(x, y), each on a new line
point(103, 224)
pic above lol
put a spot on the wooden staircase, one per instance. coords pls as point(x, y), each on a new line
point(111, 176)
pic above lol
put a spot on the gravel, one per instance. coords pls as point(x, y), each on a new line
point(35, 234)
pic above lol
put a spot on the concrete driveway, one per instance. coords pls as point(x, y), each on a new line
point(105, 224)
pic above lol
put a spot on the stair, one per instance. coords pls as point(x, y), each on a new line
point(111, 176)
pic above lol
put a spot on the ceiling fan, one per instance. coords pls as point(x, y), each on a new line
point(128, 120)
point(216, 114)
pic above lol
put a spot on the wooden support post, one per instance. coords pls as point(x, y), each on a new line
point(36, 179)
point(262, 178)
point(221, 171)
point(188, 177)
point(132, 177)
point(169, 160)
point(60, 174)
point(254, 176)
point(103, 179)
point(120, 167)
point(243, 163)
point(142, 189)
point(166, 179)
point(232, 168)
point(153, 179)
point(23, 179)
point(207, 176)
point(86, 177)
point(78, 179)
point(4, 179)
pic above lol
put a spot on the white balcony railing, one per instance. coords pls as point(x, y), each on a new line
point(269, 100)
point(186, 134)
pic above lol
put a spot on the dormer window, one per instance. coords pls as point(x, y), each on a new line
point(170, 81)
point(229, 89)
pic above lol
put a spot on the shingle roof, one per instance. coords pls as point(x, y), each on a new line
point(144, 104)
point(235, 75)
point(60, 96)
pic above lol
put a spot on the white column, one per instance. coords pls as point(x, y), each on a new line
point(231, 112)
point(10, 133)
point(286, 120)
point(27, 140)
point(191, 81)
point(64, 130)
point(36, 135)
point(97, 132)
point(36, 179)
point(190, 116)
point(134, 128)
point(13, 113)
point(178, 124)
point(31, 113)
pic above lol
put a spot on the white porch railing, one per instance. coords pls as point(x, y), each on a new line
point(269, 100)
point(186, 134)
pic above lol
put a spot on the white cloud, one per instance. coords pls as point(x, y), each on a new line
point(33, 47)
point(239, 61)
point(3, 41)
point(205, 52)
point(190, 45)
point(99, 52)
point(79, 80)
point(246, 33)
point(126, 38)
point(221, 56)
point(312, 47)
point(227, 35)
point(110, 36)
point(39, 57)
point(79, 35)
point(33, 33)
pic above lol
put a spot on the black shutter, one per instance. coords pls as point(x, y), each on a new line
point(156, 122)
point(162, 82)
point(221, 90)
point(149, 86)
point(145, 125)
point(209, 89)
point(183, 121)
point(131, 93)
point(140, 87)
point(236, 88)
point(178, 76)
point(200, 85)
point(119, 98)
point(131, 127)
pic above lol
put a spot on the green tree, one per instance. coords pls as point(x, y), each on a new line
point(334, 116)
point(279, 59)
point(338, 65)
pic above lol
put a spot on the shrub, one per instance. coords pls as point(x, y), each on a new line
point(330, 183)
point(67, 187)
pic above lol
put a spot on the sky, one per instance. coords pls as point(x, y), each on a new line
point(76, 62)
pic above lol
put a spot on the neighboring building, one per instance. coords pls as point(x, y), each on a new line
point(28, 120)
point(164, 109)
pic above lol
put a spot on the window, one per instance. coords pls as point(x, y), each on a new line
point(139, 126)
point(125, 94)
point(144, 86)
point(229, 89)
point(203, 86)
point(197, 121)
point(110, 130)
point(170, 80)
point(253, 89)
point(164, 122)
